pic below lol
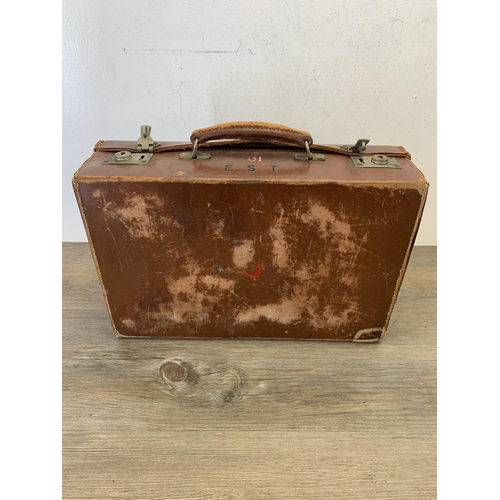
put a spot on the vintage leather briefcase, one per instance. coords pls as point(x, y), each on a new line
point(250, 230)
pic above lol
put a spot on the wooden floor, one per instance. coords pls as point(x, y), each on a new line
point(239, 419)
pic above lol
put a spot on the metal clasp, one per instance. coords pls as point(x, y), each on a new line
point(375, 161)
point(359, 147)
point(308, 156)
point(194, 155)
point(146, 142)
point(128, 158)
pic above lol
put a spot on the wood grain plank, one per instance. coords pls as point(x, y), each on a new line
point(245, 419)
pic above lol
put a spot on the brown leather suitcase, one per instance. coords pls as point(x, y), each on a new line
point(250, 230)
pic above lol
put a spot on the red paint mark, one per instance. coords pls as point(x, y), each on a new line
point(255, 158)
point(257, 271)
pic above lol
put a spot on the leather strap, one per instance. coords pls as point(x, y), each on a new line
point(260, 132)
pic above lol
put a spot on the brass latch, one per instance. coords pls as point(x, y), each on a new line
point(359, 147)
point(128, 158)
point(375, 161)
point(146, 142)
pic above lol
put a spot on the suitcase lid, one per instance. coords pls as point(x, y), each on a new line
point(249, 152)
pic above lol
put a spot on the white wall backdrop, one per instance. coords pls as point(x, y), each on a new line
point(341, 70)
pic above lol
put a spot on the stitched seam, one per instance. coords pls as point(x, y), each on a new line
point(252, 127)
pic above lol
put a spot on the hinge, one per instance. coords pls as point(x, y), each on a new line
point(195, 155)
point(308, 156)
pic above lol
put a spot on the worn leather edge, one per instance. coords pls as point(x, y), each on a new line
point(193, 338)
point(205, 180)
point(422, 176)
point(403, 150)
point(75, 183)
point(406, 260)
point(368, 331)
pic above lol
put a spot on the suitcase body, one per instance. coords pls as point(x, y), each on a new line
point(255, 236)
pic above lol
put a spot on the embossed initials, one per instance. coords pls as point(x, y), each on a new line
point(250, 168)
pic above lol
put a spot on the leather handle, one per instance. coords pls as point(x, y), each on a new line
point(260, 132)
